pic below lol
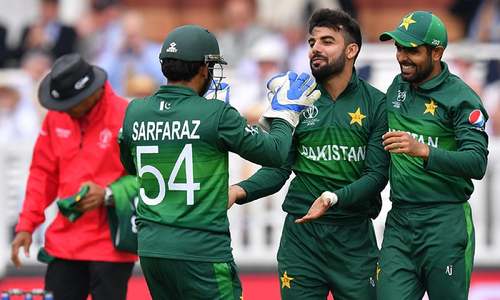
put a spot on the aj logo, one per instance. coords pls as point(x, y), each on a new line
point(449, 270)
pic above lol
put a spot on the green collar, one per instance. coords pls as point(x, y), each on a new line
point(353, 82)
point(437, 80)
point(176, 89)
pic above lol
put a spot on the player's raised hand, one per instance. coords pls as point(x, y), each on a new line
point(290, 94)
point(319, 207)
point(22, 239)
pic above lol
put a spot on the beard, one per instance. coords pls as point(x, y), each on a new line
point(421, 72)
point(325, 72)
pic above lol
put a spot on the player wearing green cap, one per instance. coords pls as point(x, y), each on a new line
point(438, 144)
point(177, 143)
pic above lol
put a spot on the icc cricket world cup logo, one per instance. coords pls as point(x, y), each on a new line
point(311, 112)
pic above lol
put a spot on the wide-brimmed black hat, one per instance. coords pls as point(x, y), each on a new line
point(70, 81)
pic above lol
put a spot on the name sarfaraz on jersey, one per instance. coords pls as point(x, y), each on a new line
point(165, 130)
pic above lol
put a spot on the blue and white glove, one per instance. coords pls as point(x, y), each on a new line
point(222, 91)
point(289, 94)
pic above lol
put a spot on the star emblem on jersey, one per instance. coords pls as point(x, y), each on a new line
point(430, 107)
point(357, 117)
point(286, 281)
point(407, 21)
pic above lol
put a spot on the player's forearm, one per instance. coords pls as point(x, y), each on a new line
point(270, 150)
point(127, 184)
point(127, 160)
point(468, 163)
point(264, 182)
point(365, 188)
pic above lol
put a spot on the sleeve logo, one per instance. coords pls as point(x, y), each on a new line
point(476, 118)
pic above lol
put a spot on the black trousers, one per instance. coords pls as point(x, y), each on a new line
point(76, 279)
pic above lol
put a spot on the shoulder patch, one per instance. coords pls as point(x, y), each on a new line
point(476, 118)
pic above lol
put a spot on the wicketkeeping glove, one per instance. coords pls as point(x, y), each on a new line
point(289, 94)
point(222, 93)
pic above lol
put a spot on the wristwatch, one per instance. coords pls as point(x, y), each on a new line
point(109, 199)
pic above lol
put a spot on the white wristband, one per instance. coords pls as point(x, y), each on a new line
point(331, 197)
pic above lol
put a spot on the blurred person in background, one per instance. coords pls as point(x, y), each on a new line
point(485, 26)
point(19, 121)
point(340, 170)
point(35, 64)
point(47, 33)
point(295, 36)
point(136, 56)
point(491, 97)
point(463, 65)
point(101, 30)
point(438, 144)
point(76, 146)
point(240, 31)
point(4, 51)
point(266, 57)
point(140, 86)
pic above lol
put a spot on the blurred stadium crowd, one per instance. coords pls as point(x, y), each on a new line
point(258, 38)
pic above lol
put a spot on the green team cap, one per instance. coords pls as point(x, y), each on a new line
point(418, 28)
point(191, 43)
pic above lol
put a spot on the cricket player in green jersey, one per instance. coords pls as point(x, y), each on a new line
point(340, 167)
point(438, 144)
point(177, 143)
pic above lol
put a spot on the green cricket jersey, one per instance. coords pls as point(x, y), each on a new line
point(447, 115)
point(177, 144)
point(336, 147)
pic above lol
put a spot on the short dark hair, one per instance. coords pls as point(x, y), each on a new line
point(180, 70)
point(337, 20)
